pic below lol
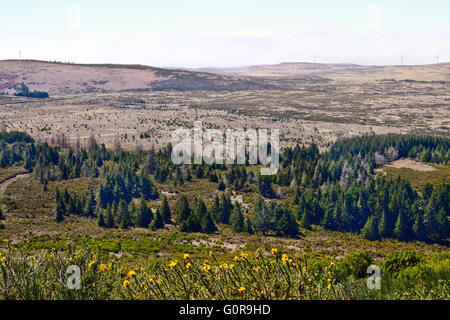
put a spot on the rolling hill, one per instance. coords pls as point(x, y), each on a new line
point(65, 78)
point(432, 72)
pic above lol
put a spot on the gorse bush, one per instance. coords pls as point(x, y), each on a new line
point(247, 276)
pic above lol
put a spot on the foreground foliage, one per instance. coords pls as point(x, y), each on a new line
point(273, 275)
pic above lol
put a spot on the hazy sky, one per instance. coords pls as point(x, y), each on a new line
point(201, 33)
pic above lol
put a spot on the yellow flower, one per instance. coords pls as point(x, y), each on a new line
point(206, 267)
point(186, 256)
point(173, 264)
point(329, 286)
point(103, 267)
point(90, 264)
point(244, 255)
point(274, 251)
point(126, 284)
point(188, 265)
point(131, 274)
point(241, 289)
point(150, 279)
point(210, 253)
point(236, 258)
point(285, 258)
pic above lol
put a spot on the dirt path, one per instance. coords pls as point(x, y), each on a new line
point(6, 182)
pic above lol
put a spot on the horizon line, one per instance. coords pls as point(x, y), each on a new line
point(96, 64)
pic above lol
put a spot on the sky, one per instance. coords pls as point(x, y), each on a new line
point(227, 33)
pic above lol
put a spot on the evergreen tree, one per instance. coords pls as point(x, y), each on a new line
point(207, 223)
point(123, 214)
point(227, 207)
point(327, 220)
point(216, 209)
point(248, 227)
point(221, 186)
point(261, 220)
point(419, 228)
point(286, 224)
point(443, 224)
point(236, 218)
point(384, 229)
point(158, 222)
point(188, 175)
point(306, 219)
point(109, 218)
point(1, 214)
point(400, 231)
point(182, 210)
point(370, 229)
point(144, 215)
point(60, 210)
point(199, 172)
point(165, 210)
point(101, 220)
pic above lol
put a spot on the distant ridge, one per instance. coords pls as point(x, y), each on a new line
point(431, 72)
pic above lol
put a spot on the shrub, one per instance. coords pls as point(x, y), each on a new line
point(358, 262)
point(398, 261)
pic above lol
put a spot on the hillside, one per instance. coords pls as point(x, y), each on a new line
point(63, 79)
point(432, 72)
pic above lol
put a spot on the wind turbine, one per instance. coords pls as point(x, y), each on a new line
point(20, 55)
point(402, 57)
point(437, 58)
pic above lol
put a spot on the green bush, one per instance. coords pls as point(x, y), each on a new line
point(358, 262)
point(398, 261)
point(420, 272)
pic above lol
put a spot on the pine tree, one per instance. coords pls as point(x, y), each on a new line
point(60, 210)
point(207, 223)
point(158, 222)
point(248, 227)
point(199, 172)
point(216, 210)
point(188, 175)
point(182, 210)
point(123, 214)
point(286, 224)
point(400, 231)
point(236, 219)
point(1, 214)
point(306, 219)
point(261, 220)
point(370, 229)
point(227, 207)
point(109, 218)
point(144, 215)
point(419, 227)
point(165, 210)
point(101, 220)
point(384, 229)
point(443, 224)
point(327, 220)
point(221, 186)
